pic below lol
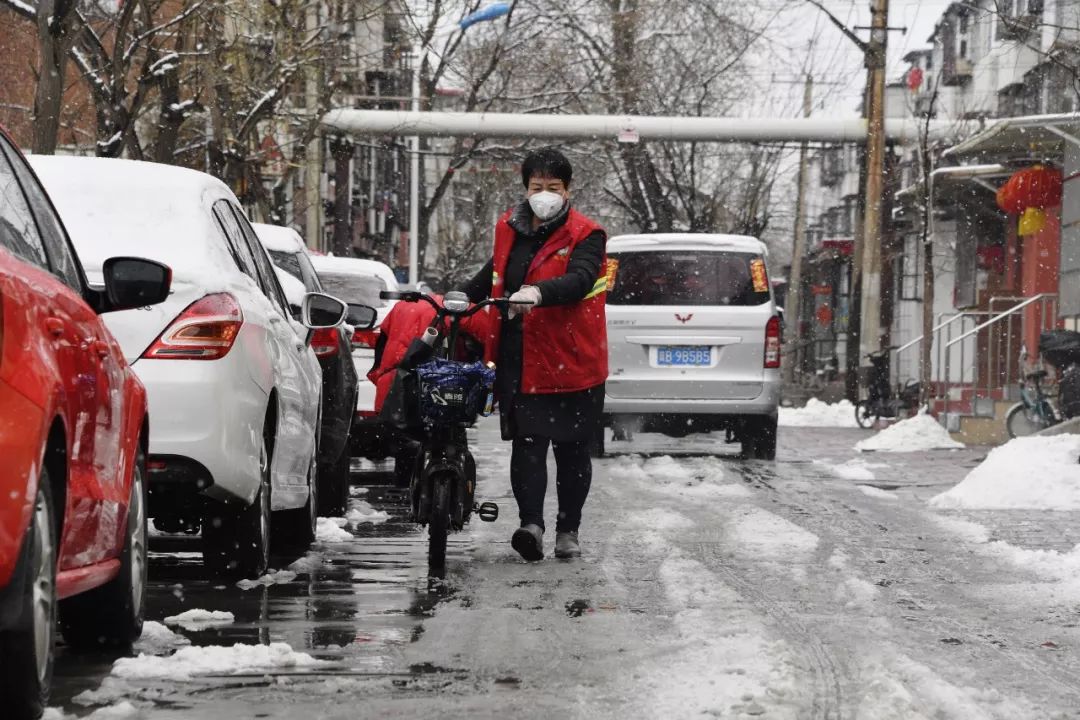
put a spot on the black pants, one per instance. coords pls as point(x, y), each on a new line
point(528, 477)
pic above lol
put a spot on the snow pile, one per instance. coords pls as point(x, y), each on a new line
point(212, 660)
point(308, 564)
point(820, 414)
point(332, 530)
point(123, 709)
point(1037, 473)
point(199, 619)
point(361, 512)
point(274, 577)
point(915, 434)
point(156, 639)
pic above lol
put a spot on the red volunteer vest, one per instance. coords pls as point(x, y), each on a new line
point(565, 347)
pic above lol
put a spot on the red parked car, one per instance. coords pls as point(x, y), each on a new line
point(73, 432)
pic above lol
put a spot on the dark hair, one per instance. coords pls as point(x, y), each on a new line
point(546, 163)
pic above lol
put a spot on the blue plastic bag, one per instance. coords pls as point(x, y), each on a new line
point(454, 392)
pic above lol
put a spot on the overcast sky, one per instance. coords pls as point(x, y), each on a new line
point(835, 61)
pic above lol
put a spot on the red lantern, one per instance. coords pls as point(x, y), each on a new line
point(1034, 187)
point(914, 79)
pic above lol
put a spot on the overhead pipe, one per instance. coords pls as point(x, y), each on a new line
point(623, 128)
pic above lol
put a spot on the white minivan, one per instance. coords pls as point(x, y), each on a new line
point(693, 338)
point(232, 383)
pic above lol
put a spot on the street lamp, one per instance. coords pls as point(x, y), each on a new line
point(486, 14)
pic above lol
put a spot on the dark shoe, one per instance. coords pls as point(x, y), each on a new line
point(566, 545)
point(528, 540)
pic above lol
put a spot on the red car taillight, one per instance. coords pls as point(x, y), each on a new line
point(206, 330)
point(365, 338)
point(325, 342)
point(772, 343)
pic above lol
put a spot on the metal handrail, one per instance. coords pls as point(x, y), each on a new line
point(1001, 316)
point(919, 339)
point(993, 363)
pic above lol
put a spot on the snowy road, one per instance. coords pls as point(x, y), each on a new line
point(821, 586)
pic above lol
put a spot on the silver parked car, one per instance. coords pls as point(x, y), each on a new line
point(694, 338)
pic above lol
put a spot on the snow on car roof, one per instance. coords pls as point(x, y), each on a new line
point(128, 207)
point(278, 238)
point(662, 241)
point(355, 266)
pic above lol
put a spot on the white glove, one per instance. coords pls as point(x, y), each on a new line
point(524, 300)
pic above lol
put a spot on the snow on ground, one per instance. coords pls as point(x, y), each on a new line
point(761, 533)
point(309, 563)
point(874, 492)
point(690, 476)
point(189, 662)
point(916, 434)
point(856, 594)
point(820, 414)
point(156, 639)
point(1036, 473)
point(123, 709)
point(199, 619)
point(361, 512)
point(728, 662)
point(273, 577)
point(331, 530)
point(854, 469)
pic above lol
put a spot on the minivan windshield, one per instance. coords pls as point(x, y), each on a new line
point(362, 289)
point(688, 277)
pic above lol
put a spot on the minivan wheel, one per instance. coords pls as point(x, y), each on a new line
point(759, 438)
point(26, 650)
point(111, 617)
point(236, 541)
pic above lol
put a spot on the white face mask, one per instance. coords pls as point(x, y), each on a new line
point(546, 205)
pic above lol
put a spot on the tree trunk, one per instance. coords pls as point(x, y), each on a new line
point(54, 19)
point(342, 152)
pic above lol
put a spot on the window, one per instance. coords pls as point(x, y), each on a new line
point(964, 21)
point(18, 231)
point(688, 277)
point(61, 257)
point(360, 289)
point(911, 266)
point(234, 239)
point(271, 286)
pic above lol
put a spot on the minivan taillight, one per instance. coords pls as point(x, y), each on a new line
point(325, 342)
point(365, 338)
point(772, 342)
point(206, 330)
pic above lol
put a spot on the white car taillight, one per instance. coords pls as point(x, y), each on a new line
point(206, 330)
point(772, 343)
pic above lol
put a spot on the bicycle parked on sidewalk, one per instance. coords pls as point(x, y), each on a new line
point(880, 402)
point(434, 399)
point(1034, 412)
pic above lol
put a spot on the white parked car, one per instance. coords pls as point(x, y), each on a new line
point(694, 338)
point(233, 386)
point(360, 281)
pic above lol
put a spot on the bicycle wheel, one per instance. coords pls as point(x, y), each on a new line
point(439, 522)
point(1022, 421)
point(865, 415)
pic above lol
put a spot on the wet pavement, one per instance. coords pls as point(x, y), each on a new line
point(710, 587)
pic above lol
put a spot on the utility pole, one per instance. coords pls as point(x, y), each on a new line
point(864, 316)
point(313, 152)
point(870, 272)
point(793, 301)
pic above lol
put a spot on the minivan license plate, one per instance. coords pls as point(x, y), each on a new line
point(692, 356)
